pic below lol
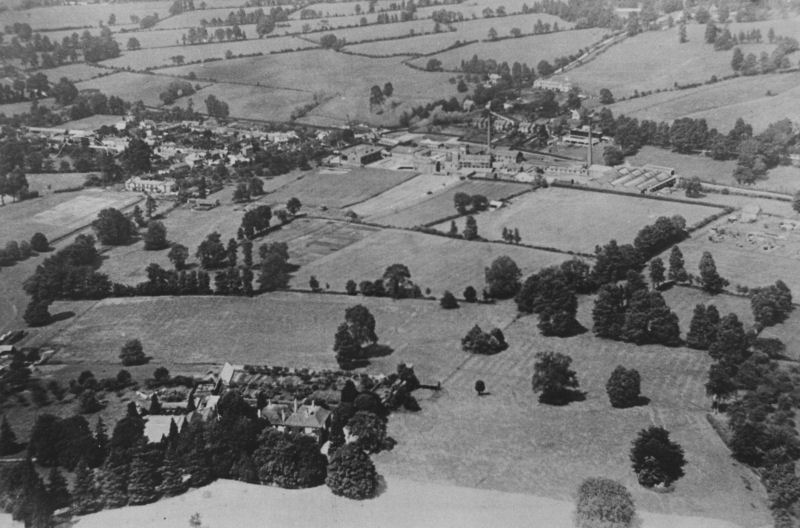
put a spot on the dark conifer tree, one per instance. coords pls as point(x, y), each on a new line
point(608, 313)
point(143, 477)
point(85, 497)
point(57, 489)
point(698, 334)
point(171, 475)
point(8, 440)
point(677, 268)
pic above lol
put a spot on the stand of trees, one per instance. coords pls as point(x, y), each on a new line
point(479, 342)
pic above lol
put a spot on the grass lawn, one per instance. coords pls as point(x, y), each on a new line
point(58, 214)
point(339, 188)
point(435, 262)
point(721, 104)
point(407, 194)
point(575, 220)
point(225, 504)
point(528, 50)
point(440, 205)
point(665, 60)
point(288, 329)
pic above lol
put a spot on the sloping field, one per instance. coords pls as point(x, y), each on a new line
point(574, 220)
point(722, 103)
point(131, 86)
point(74, 72)
point(435, 262)
point(150, 58)
point(23, 107)
point(289, 329)
point(252, 102)
point(528, 50)
point(379, 31)
point(546, 450)
point(49, 182)
point(57, 214)
point(153, 38)
point(665, 60)
point(335, 10)
point(464, 31)
point(405, 195)
point(331, 73)
point(339, 188)
point(60, 16)
point(227, 504)
point(441, 205)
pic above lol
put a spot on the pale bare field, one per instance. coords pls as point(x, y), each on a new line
point(405, 195)
point(229, 504)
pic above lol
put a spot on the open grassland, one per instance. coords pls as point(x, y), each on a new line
point(475, 8)
point(132, 86)
point(665, 60)
point(151, 58)
point(575, 220)
point(379, 31)
point(54, 17)
point(154, 38)
point(338, 188)
point(720, 104)
point(251, 102)
point(339, 9)
point(405, 195)
point(436, 263)
point(289, 329)
point(45, 183)
point(529, 50)
point(347, 78)
point(441, 205)
point(228, 503)
point(23, 107)
point(73, 72)
point(57, 214)
point(464, 31)
point(548, 451)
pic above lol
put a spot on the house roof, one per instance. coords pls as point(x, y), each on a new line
point(308, 416)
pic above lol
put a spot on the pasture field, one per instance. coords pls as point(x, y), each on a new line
point(23, 107)
point(338, 188)
point(575, 220)
point(379, 31)
point(46, 183)
point(131, 86)
point(720, 104)
point(58, 214)
point(335, 10)
point(464, 31)
point(405, 195)
point(151, 58)
point(528, 50)
point(330, 73)
point(252, 102)
point(152, 38)
point(441, 205)
point(227, 502)
point(61, 16)
point(288, 329)
point(92, 122)
point(665, 60)
point(435, 262)
point(548, 451)
point(74, 72)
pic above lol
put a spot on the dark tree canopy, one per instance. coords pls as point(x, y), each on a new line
point(656, 459)
point(711, 280)
point(553, 377)
point(352, 474)
point(502, 278)
point(132, 353)
point(155, 238)
point(602, 502)
point(113, 228)
point(623, 387)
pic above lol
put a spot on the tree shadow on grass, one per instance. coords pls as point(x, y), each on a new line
point(377, 350)
point(62, 316)
point(563, 398)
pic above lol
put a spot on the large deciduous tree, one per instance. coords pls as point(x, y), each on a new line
point(352, 474)
point(657, 461)
point(502, 278)
point(113, 228)
point(554, 378)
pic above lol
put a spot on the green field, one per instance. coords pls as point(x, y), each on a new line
point(150, 58)
point(529, 50)
point(251, 102)
point(441, 205)
point(437, 263)
point(574, 220)
point(720, 104)
point(665, 60)
point(46, 183)
point(74, 72)
point(132, 86)
point(407, 194)
point(60, 16)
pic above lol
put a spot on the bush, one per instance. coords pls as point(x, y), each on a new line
point(603, 503)
point(623, 387)
point(132, 353)
point(448, 301)
point(352, 474)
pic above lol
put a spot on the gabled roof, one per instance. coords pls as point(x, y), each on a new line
point(308, 416)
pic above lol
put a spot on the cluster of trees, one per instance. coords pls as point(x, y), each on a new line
point(551, 293)
point(479, 342)
point(511, 235)
point(247, 189)
point(35, 50)
point(631, 312)
point(16, 251)
point(216, 107)
point(553, 378)
point(603, 502)
point(330, 41)
point(584, 13)
point(70, 273)
point(12, 181)
point(113, 228)
point(177, 88)
point(201, 35)
point(354, 336)
point(424, 112)
point(465, 203)
point(378, 95)
point(502, 278)
point(255, 222)
point(517, 74)
point(771, 304)
point(751, 64)
point(395, 283)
